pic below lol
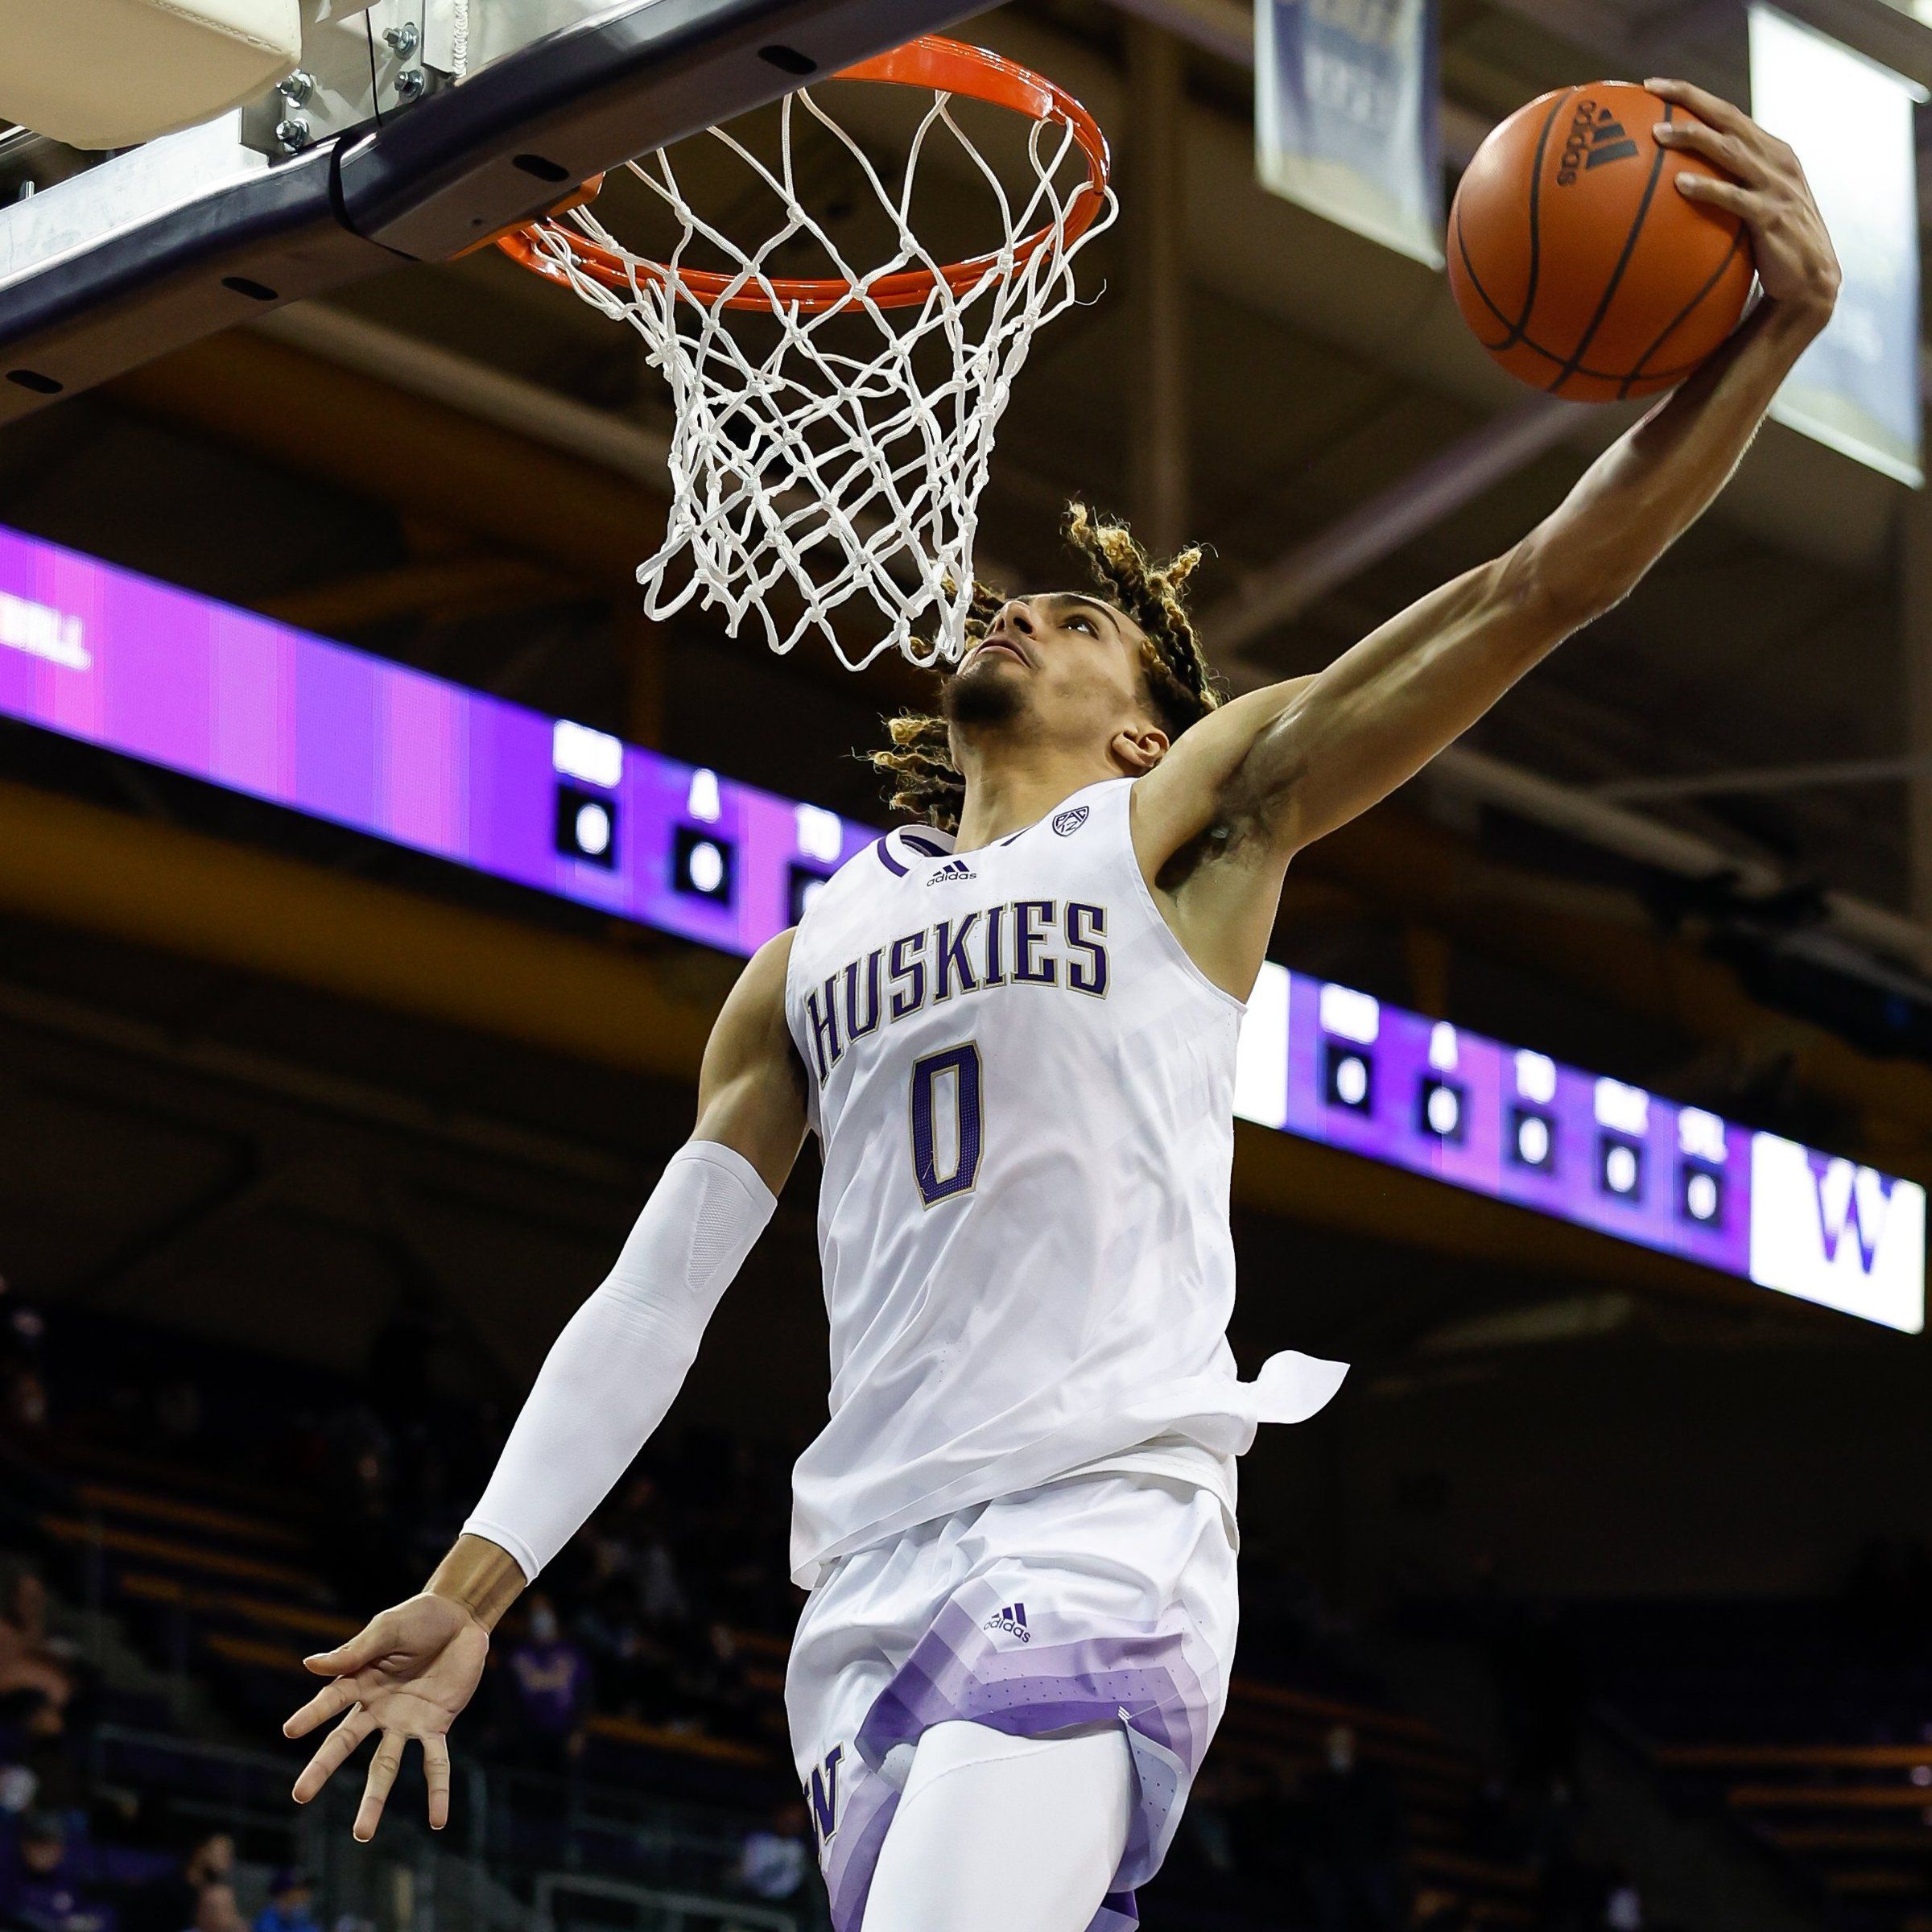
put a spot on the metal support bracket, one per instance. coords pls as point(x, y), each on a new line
point(132, 262)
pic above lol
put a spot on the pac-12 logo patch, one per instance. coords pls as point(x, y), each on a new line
point(1068, 822)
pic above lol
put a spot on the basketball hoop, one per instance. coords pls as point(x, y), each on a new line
point(844, 456)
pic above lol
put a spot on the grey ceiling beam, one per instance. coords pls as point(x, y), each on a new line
point(1601, 822)
point(1468, 468)
point(1769, 778)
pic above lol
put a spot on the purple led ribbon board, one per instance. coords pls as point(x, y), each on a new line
point(100, 655)
point(1334, 1065)
point(165, 675)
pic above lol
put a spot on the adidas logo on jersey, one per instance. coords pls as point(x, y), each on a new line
point(1012, 1620)
point(952, 874)
point(1596, 138)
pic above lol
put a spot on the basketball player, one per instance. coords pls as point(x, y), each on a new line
point(1012, 1029)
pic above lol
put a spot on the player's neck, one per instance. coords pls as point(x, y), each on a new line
point(1004, 797)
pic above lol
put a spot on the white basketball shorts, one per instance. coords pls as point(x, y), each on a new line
point(1096, 1598)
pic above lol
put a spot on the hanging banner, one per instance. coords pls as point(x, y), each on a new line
point(1857, 388)
point(1345, 116)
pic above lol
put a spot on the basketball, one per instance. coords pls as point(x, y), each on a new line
point(1577, 263)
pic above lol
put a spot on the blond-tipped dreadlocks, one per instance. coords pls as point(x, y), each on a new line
point(921, 780)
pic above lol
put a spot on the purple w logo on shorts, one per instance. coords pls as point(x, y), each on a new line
point(824, 1793)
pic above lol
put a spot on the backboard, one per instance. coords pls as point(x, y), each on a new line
point(415, 128)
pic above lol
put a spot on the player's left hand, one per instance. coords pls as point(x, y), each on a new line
point(1768, 191)
point(408, 1673)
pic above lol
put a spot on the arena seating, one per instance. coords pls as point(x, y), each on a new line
point(227, 1580)
point(1808, 1725)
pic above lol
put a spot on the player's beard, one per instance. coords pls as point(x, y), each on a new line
point(982, 698)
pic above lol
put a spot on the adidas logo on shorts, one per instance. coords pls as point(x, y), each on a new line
point(1012, 1620)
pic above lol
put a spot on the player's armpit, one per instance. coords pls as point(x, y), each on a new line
point(1194, 794)
point(1379, 713)
point(1202, 837)
point(751, 1087)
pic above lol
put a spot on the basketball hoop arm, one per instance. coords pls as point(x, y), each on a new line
point(352, 165)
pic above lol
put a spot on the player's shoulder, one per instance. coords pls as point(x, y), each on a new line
point(875, 869)
point(1192, 787)
point(751, 1025)
point(838, 911)
point(896, 854)
point(767, 971)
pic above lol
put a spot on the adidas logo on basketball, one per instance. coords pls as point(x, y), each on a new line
point(952, 874)
point(1012, 1620)
point(1596, 138)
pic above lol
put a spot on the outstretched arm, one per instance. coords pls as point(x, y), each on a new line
point(604, 1388)
point(620, 1362)
point(1276, 770)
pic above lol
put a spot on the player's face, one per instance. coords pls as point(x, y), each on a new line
point(1069, 665)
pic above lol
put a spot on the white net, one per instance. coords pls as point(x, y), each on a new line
point(830, 450)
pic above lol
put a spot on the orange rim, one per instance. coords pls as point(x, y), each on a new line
point(948, 67)
point(579, 198)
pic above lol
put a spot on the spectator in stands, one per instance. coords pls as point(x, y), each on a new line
point(632, 1666)
point(30, 1660)
point(1207, 1840)
point(1623, 1905)
point(217, 1911)
point(663, 1591)
point(359, 1469)
point(42, 1892)
point(22, 1328)
point(35, 1741)
point(23, 1403)
point(1356, 1870)
point(551, 1679)
point(1568, 1889)
point(711, 1678)
point(1238, 1835)
point(173, 1903)
point(775, 1856)
point(291, 1904)
point(636, 1524)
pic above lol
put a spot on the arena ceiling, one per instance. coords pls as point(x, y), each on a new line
point(1318, 375)
point(458, 467)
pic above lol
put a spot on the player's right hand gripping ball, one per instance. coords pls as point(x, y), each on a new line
point(1576, 261)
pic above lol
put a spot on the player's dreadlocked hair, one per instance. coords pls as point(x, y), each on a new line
point(921, 779)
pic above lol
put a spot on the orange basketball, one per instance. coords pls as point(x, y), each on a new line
point(1575, 259)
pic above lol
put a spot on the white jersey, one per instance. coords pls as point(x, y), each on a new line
point(1023, 1088)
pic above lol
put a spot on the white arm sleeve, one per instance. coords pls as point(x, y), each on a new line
point(623, 1357)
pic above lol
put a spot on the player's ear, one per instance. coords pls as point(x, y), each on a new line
point(1138, 748)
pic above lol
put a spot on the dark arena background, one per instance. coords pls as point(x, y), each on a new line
point(360, 934)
